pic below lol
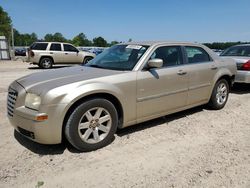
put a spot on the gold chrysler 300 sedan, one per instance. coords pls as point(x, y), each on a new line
point(125, 85)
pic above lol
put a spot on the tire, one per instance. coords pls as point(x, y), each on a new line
point(219, 95)
point(87, 59)
point(46, 63)
point(87, 132)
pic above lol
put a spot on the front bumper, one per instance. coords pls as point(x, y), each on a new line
point(25, 121)
point(242, 77)
point(45, 132)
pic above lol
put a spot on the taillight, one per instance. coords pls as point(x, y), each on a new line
point(246, 66)
point(32, 54)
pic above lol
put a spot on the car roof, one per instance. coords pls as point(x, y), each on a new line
point(153, 43)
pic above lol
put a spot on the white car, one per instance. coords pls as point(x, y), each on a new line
point(45, 54)
point(241, 54)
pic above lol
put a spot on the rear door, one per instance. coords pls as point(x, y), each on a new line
point(71, 54)
point(201, 71)
point(56, 52)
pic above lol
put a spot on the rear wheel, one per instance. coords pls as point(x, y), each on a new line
point(219, 95)
point(92, 125)
point(87, 59)
point(45, 63)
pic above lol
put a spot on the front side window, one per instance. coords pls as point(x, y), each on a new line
point(197, 55)
point(171, 55)
point(237, 51)
point(69, 48)
point(119, 57)
point(39, 46)
point(55, 47)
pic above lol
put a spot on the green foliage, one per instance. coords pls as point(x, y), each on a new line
point(5, 24)
point(24, 39)
point(81, 40)
point(57, 37)
point(39, 184)
point(99, 41)
point(113, 43)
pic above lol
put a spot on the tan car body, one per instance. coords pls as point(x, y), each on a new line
point(138, 95)
point(59, 57)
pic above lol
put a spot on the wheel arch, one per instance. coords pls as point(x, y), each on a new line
point(46, 56)
point(113, 99)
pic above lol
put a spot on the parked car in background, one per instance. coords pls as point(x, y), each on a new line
point(125, 85)
point(20, 51)
point(217, 51)
point(46, 54)
point(241, 54)
point(95, 50)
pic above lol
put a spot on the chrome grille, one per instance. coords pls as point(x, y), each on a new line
point(11, 100)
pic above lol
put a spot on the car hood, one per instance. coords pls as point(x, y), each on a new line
point(49, 79)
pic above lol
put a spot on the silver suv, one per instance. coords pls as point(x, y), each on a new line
point(45, 54)
point(125, 85)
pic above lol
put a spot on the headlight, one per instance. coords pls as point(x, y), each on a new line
point(32, 101)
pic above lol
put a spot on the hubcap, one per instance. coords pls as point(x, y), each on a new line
point(221, 95)
point(46, 63)
point(94, 125)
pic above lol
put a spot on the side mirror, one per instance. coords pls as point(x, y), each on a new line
point(155, 63)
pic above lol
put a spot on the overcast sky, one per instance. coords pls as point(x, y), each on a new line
point(183, 20)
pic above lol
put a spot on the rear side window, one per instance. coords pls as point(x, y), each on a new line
point(55, 47)
point(197, 55)
point(39, 46)
point(69, 48)
point(237, 51)
point(171, 55)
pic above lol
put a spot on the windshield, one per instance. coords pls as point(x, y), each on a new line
point(237, 51)
point(119, 57)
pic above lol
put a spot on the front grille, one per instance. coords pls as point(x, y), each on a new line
point(11, 100)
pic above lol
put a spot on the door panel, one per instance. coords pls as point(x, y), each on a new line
point(160, 90)
point(71, 54)
point(201, 70)
point(200, 82)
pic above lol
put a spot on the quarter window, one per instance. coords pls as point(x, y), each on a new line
point(197, 55)
point(55, 47)
point(69, 48)
point(171, 55)
point(39, 46)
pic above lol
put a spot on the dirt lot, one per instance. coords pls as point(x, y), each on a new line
point(195, 148)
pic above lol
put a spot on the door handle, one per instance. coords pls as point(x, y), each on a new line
point(51, 52)
point(214, 67)
point(181, 72)
point(66, 53)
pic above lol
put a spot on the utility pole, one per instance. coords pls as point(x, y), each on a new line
point(13, 44)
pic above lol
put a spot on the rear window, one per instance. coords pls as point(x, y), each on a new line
point(237, 51)
point(55, 47)
point(39, 46)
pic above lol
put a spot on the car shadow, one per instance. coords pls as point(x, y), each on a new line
point(56, 149)
point(164, 119)
point(37, 148)
point(241, 88)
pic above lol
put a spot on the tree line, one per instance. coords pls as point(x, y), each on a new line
point(79, 40)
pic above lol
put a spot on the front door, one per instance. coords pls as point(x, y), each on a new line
point(161, 90)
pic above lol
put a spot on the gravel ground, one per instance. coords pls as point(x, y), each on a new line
point(194, 148)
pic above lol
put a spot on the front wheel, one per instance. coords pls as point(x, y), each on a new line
point(92, 125)
point(219, 95)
